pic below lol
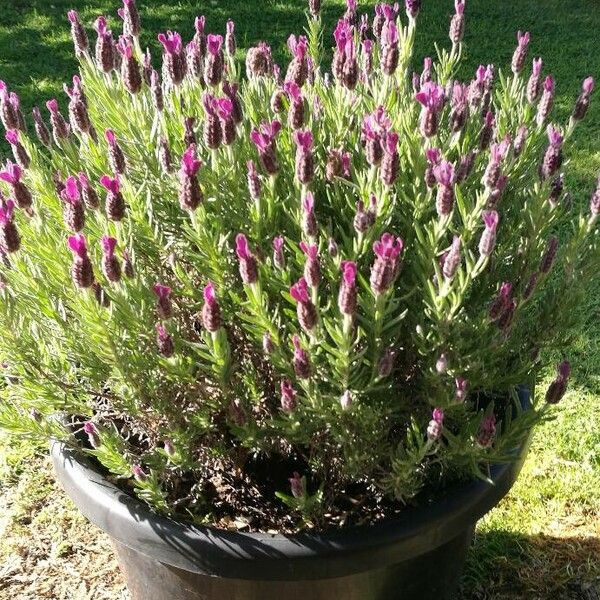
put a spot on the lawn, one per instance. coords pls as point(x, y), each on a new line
point(543, 541)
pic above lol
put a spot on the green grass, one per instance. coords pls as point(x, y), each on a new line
point(543, 541)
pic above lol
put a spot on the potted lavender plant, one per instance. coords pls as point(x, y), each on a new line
point(282, 329)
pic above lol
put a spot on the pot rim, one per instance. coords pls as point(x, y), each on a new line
point(333, 553)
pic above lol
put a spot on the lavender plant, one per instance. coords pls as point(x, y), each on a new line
point(298, 297)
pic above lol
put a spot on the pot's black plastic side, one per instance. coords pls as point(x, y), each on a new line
point(423, 549)
point(433, 576)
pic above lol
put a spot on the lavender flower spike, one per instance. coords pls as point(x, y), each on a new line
point(211, 312)
point(306, 310)
point(444, 175)
point(248, 263)
point(520, 54)
point(288, 397)
point(488, 237)
point(558, 387)
point(435, 427)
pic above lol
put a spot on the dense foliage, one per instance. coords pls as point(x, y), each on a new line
point(337, 278)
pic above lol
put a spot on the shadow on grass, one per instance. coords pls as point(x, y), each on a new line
point(504, 565)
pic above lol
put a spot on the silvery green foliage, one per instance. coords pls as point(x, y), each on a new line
point(305, 268)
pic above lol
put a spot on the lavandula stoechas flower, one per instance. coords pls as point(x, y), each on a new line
point(115, 203)
point(312, 267)
point(387, 262)
point(338, 164)
point(487, 131)
point(211, 133)
point(131, 18)
point(73, 208)
point(130, 67)
point(78, 110)
point(367, 60)
point(93, 434)
point(342, 34)
point(444, 176)
point(82, 271)
point(41, 129)
point(434, 158)
point(214, 62)
point(459, 107)
point(259, 61)
point(465, 166)
point(390, 163)
point(19, 153)
point(200, 35)
point(111, 267)
point(390, 52)
point(194, 61)
point(174, 63)
point(230, 42)
point(231, 91)
point(431, 98)
point(224, 109)
point(553, 156)
point(457, 24)
point(306, 310)
point(105, 46)
point(412, 8)
point(156, 91)
point(451, 261)
point(164, 341)
point(211, 312)
point(88, 193)
point(164, 305)
point(435, 427)
point(298, 68)
point(60, 128)
point(347, 297)
point(305, 166)
point(441, 364)
point(309, 221)
point(301, 360)
point(375, 126)
point(461, 387)
point(549, 256)
point(278, 257)
point(190, 194)
point(296, 104)
point(314, 8)
point(547, 101)
point(533, 84)
point(116, 158)
point(501, 301)
point(487, 431)
point(350, 70)
point(518, 59)
point(492, 172)
point(520, 139)
point(254, 185)
point(12, 175)
point(488, 237)
point(558, 387)
point(263, 138)
point(583, 102)
point(10, 240)
point(288, 402)
point(78, 34)
point(248, 263)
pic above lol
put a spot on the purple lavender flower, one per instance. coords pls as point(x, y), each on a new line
point(487, 131)
point(190, 194)
point(390, 163)
point(139, 474)
point(518, 59)
point(174, 61)
point(73, 210)
point(254, 185)
point(435, 427)
point(558, 387)
point(12, 174)
point(444, 175)
point(347, 297)
point(488, 237)
point(501, 302)
point(164, 341)
point(387, 262)
point(301, 360)
point(583, 102)
point(278, 257)
point(533, 85)
point(10, 240)
point(305, 168)
point(60, 129)
point(595, 200)
point(81, 271)
point(131, 18)
point(288, 397)
point(78, 33)
point(452, 259)
point(259, 61)
point(263, 138)
point(105, 46)
point(457, 24)
point(546, 102)
point(298, 67)
point(211, 312)
point(431, 98)
point(111, 267)
point(461, 387)
point(412, 8)
point(553, 156)
point(312, 268)
point(306, 310)
point(115, 203)
point(164, 305)
point(41, 130)
point(309, 221)
point(130, 67)
point(390, 51)
point(487, 431)
point(520, 139)
point(116, 157)
point(19, 153)
point(441, 364)
point(248, 263)
point(212, 133)
point(230, 43)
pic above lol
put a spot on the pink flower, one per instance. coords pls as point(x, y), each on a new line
point(72, 16)
point(390, 142)
point(298, 46)
point(209, 294)
point(459, 7)
point(389, 34)
point(588, 85)
point(278, 243)
point(52, 106)
point(125, 47)
point(162, 292)
point(554, 136)
point(214, 43)
point(6, 212)
point(78, 245)
point(224, 108)
point(265, 135)
point(490, 219)
point(431, 96)
point(288, 396)
point(108, 245)
point(241, 247)
point(444, 173)
point(292, 89)
point(199, 24)
point(12, 136)
point(310, 251)
point(434, 156)
point(387, 247)
point(349, 270)
point(549, 84)
point(111, 184)
point(299, 291)
point(71, 192)
point(171, 42)
point(523, 39)
point(304, 140)
point(308, 203)
point(12, 173)
point(100, 26)
point(190, 165)
point(109, 134)
point(537, 67)
point(230, 27)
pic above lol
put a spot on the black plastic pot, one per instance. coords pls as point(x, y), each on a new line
point(418, 556)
